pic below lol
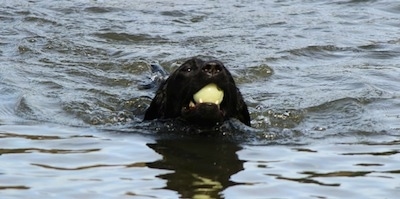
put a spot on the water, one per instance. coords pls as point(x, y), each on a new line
point(320, 79)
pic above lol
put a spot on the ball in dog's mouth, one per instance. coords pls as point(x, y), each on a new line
point(204, 108)
point(210, 93)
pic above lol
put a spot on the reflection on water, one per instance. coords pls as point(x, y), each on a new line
point(202, 166)
point(367, 163)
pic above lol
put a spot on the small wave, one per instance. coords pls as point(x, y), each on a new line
point(135, 38)
point(335, 117)
point(320, 52)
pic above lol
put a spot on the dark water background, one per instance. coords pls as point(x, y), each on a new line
point(321, 79)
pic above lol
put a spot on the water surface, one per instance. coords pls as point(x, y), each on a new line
point(320, 79)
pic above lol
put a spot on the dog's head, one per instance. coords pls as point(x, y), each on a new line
point(201, 92)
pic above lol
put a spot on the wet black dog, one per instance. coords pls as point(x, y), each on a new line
point(176, 97)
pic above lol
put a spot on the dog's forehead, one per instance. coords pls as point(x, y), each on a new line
point(196, 62)
point(188, 63)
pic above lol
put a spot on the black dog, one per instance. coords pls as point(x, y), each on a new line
point(175, 96)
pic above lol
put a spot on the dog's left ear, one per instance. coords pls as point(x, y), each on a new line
point(157, 105)
point(242, 111)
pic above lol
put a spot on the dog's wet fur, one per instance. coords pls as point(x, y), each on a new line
point(174, 95)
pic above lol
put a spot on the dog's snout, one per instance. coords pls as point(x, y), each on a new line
point(212, 68)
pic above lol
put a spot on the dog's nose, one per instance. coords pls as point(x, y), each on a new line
point(212, 68)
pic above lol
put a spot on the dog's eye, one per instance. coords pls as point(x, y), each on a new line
point(188, 69)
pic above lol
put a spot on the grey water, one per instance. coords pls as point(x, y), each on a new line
point(321, 79)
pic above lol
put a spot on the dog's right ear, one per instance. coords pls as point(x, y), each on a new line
point(158, 104)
